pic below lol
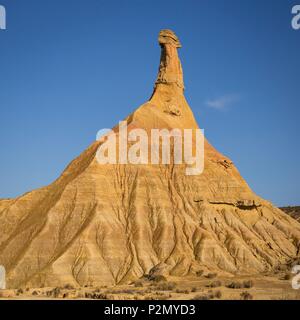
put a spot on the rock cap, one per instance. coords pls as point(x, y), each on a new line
point(167, 36)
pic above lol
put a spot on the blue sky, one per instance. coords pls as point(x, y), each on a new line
point(69, 68)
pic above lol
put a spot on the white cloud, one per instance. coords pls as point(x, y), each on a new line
point(222, 102)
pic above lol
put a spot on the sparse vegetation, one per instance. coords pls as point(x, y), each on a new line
point(215, 284)
point(240, 285)
point(54, 293)
point(199, 273)
point(20, 291)
point(246, 296)
point(235, 285)
point(287, 276)
point(182, 291)
point(155, 278)
point(68, 287)
point(211, 275)
point(121, 291)
point(248, 284)
point(201, 297)
point(93, 295)
point(166, 286)
point(138, 283)
point(208, 296)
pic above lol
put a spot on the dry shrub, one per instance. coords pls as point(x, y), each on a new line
point(164, 297)
point(182, 291)
point(156, 278)
point(93, 295)
point(166, 286)
point(213, 294)
point(194, 289)
point(54, 293)
point(120, 291)
point(238, 285)
point(235, 285)
point(201, 297)
point(218, 294)
point(287, 276)
point(215, 284)
point(68, 287)
point(138, 283)
point(149, 297)
point(20, 291)
point(211, 275)
point(248, 284)
point(147, 291)
point(246, 296)
point(208, 296)
point(127, 291)
point(199, 273)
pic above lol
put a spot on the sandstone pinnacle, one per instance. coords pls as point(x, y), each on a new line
point(170, 71)
point(111, 224)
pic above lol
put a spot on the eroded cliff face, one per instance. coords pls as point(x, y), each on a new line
point(107, 224)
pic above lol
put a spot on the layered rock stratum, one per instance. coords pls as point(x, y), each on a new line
point(110, 224)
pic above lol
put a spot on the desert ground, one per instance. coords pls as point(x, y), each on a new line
point(210, 286)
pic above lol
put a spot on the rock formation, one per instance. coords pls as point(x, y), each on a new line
point(108, 224)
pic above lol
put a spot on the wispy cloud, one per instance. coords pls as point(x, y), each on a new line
point(221, 103)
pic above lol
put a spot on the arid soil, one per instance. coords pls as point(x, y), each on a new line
point(204, 287)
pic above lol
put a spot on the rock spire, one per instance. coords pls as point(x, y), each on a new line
point(170, 70)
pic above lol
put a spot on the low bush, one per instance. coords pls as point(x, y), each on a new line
point(199, 273)
point(156, 278)
point(93, 295)
point(211, 275)
point(68, 287)
point(246, 296)
point(166, 286)
point(235, 285)
point(54, 293)
point(208, 296)
point(20, 291)
point(182, 291)
point(248, 284)
point(287, 276)
point(138, 283)
point(215, 284)
point(201, 297)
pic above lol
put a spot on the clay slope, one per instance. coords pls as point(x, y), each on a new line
point(105, 224)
